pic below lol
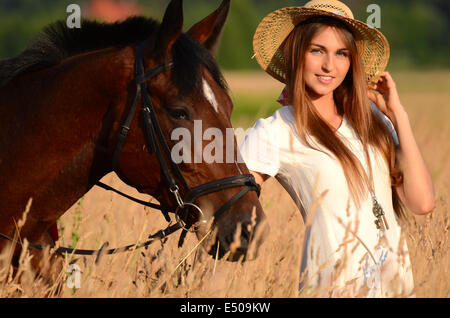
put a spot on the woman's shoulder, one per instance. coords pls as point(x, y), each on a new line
point(274, 129)
point(285, 114)
point(282, 118)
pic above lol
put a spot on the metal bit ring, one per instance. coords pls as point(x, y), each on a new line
point(181, 222)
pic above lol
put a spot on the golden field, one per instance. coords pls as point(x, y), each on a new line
point(164, 270)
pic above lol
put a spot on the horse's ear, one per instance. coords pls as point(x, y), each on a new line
point(208, 30)
point(171, 27)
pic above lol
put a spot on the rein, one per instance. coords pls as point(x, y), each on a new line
point(156, 144)
point(160, 235)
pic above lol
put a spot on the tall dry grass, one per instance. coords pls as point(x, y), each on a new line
point(164, 270)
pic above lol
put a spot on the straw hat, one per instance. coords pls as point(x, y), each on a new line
point(275, 27)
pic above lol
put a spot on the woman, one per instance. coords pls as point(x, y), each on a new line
point(335, 153)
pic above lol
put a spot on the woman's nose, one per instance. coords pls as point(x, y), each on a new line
point(328, 63)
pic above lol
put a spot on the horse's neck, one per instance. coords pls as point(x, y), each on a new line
point(53, 154)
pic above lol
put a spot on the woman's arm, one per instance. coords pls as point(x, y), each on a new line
point(417, 190)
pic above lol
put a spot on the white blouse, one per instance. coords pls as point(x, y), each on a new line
point(344, 254)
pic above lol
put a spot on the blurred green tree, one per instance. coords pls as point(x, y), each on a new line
point(417, 30)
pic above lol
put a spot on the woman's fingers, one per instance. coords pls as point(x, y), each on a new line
point(378, 100)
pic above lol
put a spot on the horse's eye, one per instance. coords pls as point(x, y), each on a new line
point(179, 113)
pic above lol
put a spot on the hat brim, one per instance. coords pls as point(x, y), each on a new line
point(372, 45)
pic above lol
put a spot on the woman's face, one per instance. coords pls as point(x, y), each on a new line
point(327, 61)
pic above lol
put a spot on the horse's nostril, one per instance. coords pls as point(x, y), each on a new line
point(239, 239)
point(246, 233)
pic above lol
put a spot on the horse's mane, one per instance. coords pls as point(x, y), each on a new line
point(57, 42)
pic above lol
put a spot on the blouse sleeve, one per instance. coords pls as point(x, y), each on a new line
point(260, 149)
point(387, 122)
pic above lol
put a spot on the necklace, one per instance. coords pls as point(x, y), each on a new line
point(378, 212)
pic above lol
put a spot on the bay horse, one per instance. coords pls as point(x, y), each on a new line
point(67, 119)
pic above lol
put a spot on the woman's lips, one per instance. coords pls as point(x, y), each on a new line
point(325, 79)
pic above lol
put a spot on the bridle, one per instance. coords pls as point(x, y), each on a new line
point(156, 144)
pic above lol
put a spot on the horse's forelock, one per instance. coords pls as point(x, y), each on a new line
point(189, 57)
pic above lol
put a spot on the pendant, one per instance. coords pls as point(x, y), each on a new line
point(377, 210)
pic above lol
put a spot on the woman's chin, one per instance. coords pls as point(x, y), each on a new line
point(316, 93)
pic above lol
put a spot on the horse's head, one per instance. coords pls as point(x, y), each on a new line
point(192, 108)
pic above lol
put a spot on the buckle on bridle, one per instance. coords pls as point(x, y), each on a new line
point(177, 195)
point(124, 130)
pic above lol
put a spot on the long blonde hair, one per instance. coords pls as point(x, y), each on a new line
point(351, 99)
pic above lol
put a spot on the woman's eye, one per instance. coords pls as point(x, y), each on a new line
point(344, 54)
point(179, 114)
point(316, 51)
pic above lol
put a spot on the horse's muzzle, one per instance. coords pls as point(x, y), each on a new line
point(242, 244)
